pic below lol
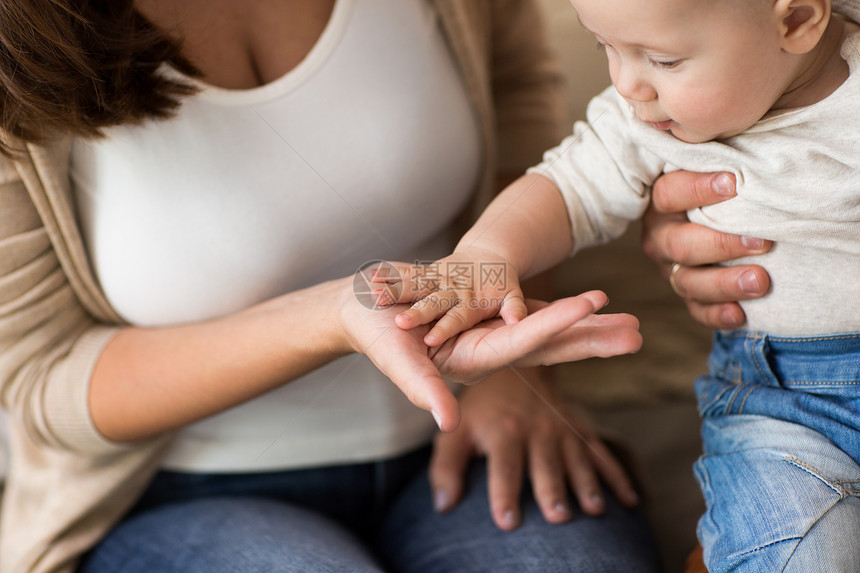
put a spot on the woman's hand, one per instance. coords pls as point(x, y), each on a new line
point(506, 421)
point(564, 331)
point(711, 292)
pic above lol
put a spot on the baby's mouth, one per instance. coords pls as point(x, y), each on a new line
point(662, 125)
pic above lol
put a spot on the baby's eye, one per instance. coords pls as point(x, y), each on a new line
point(665, 64)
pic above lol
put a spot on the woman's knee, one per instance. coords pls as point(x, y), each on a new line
point(415, 538)
point(228, 534)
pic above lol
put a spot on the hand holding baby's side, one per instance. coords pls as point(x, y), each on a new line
point(711, 291)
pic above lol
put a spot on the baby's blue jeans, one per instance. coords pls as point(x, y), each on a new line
point(361, 518)
point(780, 473)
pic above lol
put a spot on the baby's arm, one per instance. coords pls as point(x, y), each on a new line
point(524, 231)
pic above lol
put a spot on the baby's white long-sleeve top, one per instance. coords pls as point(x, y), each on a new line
point(798, 184)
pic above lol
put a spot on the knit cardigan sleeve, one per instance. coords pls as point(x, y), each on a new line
point(49, 343)
point(66, 484)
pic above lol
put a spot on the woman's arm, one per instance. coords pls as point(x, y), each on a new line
point(69, 382)
point(711, 292)
point(147, 381)
point(72, 381)
point(152, 380)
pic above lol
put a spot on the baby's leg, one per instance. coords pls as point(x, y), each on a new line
point(780, 497)
point(819, 546)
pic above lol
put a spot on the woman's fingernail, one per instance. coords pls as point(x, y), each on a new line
point(561, 508)
point(748, 282)
point(632, 497)
point(752, 243)
point(437, 418)
point(509, 518)
point(723, 185)
point(597, 500)
point(441, 499)
point(729, 319)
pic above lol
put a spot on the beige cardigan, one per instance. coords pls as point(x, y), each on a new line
point(67, 485)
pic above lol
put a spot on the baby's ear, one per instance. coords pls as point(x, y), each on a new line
point(802, 23)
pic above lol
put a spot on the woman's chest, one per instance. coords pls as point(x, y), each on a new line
point(242, 44)
point(367, 150)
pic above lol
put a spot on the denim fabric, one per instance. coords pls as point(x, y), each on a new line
point(781, 465)
point(363, 518)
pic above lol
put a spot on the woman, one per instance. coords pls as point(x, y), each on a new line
point(155, 326)
point(162, 285)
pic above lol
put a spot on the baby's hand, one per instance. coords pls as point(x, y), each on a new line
point(460, 291)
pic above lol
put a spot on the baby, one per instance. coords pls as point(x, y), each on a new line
point(767, 90)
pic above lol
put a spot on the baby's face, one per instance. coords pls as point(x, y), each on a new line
point(701, 69)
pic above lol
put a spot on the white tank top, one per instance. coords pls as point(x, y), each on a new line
point(368, 149)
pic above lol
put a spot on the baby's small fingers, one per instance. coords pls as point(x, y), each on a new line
point(426, 310)
point(402, 282)
point(513, 308)
point(597, 297)
point(455, 321)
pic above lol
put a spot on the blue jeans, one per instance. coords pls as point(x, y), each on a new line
point(363, 518)
point(781, 465)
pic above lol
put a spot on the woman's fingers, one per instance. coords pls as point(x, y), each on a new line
point(549, 477)
point(402, 356)
point(591, 340)
point(505, 466)
point(611, 472)
point(539, 328)
point(677, 240)
point(566, 454)
point(706, 290)
point(683, 190)
point(452, 453)
point(582, 475)
point(721, 284)
point(493, 344)
point(727, 315)
point(710, 291)
point(684, 250)
point(419, 380)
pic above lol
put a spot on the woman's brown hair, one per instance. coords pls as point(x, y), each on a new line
point(78, 66)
